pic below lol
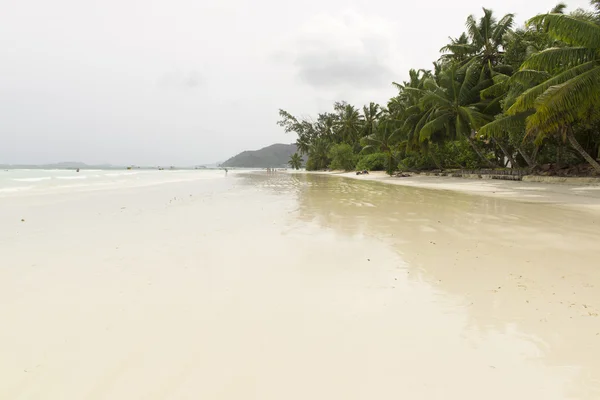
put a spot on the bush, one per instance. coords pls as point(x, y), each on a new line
point(373, 162)
point(315, 163)
point(342, 157)
point(416, 161)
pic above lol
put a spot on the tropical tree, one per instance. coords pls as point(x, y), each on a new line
point(473, 104)
point(371, 114)
point(485, 43)
point(383, 139)
point(453, 107)
point(349, 123)
point(572, 93)
point(295, 161)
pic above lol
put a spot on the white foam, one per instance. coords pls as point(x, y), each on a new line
point(43, 178)
point(72, 177)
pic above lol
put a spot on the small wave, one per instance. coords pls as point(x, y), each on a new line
point(122, 173)
point(44, 178)
point(72, 177)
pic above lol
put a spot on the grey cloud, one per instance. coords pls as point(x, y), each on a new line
point(332, 69)
point(344, 50)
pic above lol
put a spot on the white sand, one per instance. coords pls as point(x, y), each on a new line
point(296, 287)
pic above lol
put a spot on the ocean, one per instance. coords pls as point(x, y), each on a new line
point(40, 181)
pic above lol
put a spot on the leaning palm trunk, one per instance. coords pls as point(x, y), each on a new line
point(529, 160)
point(581, 150)
point(476, 149)
point(390, 167)
point(507, 154)
point(435, 160)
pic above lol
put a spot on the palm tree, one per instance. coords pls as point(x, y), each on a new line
point(572, 93)
point(485, 42)
point(295, 161)
point(371, 114)
point(383, 139)
point(349, 123)
point(318, 154)
point(453, 107)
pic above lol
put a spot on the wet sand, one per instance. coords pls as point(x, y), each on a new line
point(297, 286)
point(572, 193)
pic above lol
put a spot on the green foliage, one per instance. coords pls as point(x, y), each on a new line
point(295, 161)
point(495, 94)
point(373, 162)
point(342, 157)
point(315, 164)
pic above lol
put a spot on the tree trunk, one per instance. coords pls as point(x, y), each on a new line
point(534, 154)
point(488, 162)
point(527, 159)
point(435, 160)
point(581, 150)
point(507, 154)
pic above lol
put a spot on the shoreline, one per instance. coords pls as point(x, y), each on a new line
point(581, 196)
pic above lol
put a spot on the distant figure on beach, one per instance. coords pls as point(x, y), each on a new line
point(225, 171)
point(77, 169)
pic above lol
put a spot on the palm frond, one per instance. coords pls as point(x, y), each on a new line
point(559, 8)
point(559, 57)
point(496, 90)
point(526, 100)
point(503, 27)
point(529, 76)
point(471, 78)
point(435, 99)
point(424, 119)
point(433, 126)
point(492, 107)
point(502, 126)
point(473, 30)
point(568, 100)
point(473, 117)
point(569, 29)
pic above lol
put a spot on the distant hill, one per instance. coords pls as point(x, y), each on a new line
point(276, 155)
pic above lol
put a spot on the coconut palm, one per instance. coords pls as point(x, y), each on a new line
point(349, 123)
point(383, 139)
point(371, 114)
point(572, 93)
point(295, 161)
point(485, 42)
point(453, 107)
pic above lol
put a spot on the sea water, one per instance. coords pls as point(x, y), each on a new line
point(39, 181)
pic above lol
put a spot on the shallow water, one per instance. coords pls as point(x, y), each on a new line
point(41, 181)
point(295, 286)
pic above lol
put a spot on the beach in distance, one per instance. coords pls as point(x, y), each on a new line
point(203, 284)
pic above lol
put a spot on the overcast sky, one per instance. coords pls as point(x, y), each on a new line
point(161, 82)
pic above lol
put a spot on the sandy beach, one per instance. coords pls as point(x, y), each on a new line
point(298, 286)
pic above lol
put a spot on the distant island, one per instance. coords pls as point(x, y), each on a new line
point(274, 156)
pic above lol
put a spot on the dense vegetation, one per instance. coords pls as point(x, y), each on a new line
point(498, 97)
point(274, 156)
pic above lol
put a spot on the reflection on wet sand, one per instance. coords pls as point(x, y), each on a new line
point(521, 270)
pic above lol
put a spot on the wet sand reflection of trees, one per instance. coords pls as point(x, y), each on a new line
point(510, 262)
